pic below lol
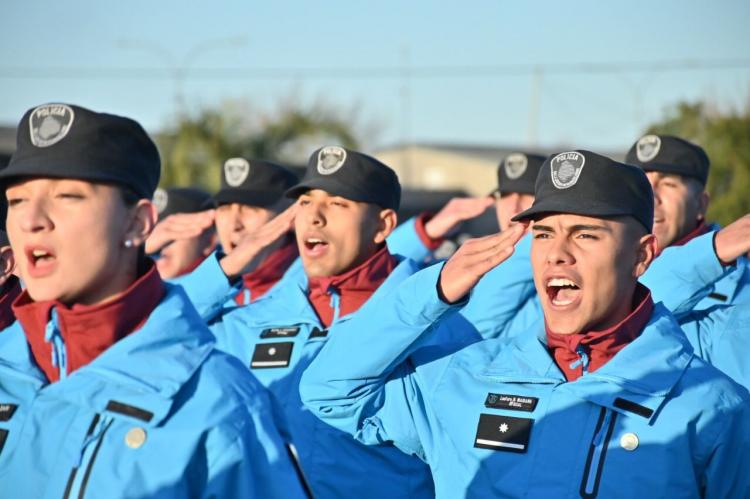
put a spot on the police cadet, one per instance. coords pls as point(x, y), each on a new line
point(678, 171)
point(710, 263)
point(181, 256)
point(347, 205)
point(250, 198)
point(604, 397)
point(110, 385)
point(516, 175)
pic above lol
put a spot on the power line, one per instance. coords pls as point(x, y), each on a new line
point(354, 73)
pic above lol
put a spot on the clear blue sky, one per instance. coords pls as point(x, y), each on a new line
point(81, 51)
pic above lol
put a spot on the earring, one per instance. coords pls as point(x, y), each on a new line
point(128, 243)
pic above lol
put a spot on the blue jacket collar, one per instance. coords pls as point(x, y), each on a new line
point(644, 372)
point(145, 369)
point(289, 304)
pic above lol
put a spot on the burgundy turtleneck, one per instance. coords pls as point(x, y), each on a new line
point(10, 292)
point(354, 287)
point(701, 229)
point(88, 330)
point(260, 280)
point(600, 346)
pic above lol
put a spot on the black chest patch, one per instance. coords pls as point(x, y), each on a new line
point(280, 332)
point(510, 402)
point(504, 433)
point(318, 333)
point(6, 411)
point(268, 355)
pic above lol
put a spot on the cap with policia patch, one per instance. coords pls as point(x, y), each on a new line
point(668, 154)
point(253, 183)
point(351, 175)
point(517, 173)
point(181, 200)
point(67, 141)
point(586, 183)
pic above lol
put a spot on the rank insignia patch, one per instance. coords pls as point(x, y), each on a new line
point(504, 433)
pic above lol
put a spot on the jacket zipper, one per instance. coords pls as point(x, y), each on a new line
point(91, 436)
point(597, 453)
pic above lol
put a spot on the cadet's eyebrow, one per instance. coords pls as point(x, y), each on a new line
point(580, 227)
point(573, 228)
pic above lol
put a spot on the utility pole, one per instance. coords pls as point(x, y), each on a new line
point(536, 91)
point(179, 68)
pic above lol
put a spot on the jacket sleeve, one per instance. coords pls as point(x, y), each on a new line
point(405, 241)
point(721, 337)
point(726, 474)
point(361, 381)
point(207, 287)
point(683, 275)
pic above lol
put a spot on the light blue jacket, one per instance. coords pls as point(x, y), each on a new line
point(496, 418)
point(277, 337)
point(161, 413)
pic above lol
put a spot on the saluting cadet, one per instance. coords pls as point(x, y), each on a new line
point(181, 256)
point(110, 385)
point(678, 172)
point(604, 397)
point(347, 206)
point(251, 195)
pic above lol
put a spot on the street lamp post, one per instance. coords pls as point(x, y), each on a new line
point(179, 68)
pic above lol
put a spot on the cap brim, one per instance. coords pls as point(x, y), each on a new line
point(30, 169)
point(262, 199)
point(331, 186)
point(672, 169)
point(554, 206)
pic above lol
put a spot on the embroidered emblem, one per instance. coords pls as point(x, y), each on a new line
point(515, 165)
point(565, 169)
point(647, 148)
point(50, 123)
point(236, 171)
point(331, 159)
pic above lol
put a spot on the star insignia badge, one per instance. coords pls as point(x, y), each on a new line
point(503, 428)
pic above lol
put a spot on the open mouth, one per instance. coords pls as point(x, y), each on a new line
point(315, 246)
point(562, 292)
point(41, 261)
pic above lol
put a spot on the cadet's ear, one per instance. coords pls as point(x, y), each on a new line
point(703, 199)
point(387, 221)
point(646, 254)
point(142, 222)
point(7, 264)
point(209, 240)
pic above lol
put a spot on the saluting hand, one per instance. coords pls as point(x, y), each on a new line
point(253, 248)
point(475, 258)
point(733, 241)
point(179, 226)
point(456, 211)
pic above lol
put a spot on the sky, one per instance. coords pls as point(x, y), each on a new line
point(483, 72)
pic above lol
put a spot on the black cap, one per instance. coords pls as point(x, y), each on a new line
point(517, 173)
point(181, 200)
point(586, 183)
point(253, 183)
point(351, 175)
point(668, 154)
point(67, 141)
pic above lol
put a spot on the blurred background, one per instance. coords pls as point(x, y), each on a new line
point(441, 91)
